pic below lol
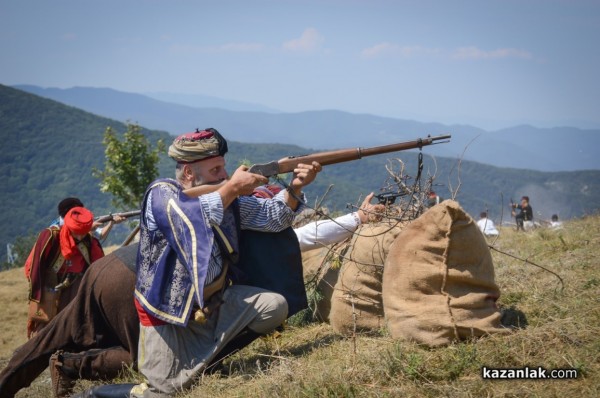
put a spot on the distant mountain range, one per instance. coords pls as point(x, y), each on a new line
point(205, 101)
point(519, 147)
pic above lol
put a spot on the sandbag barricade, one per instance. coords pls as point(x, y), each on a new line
point(438, 280)
point(356, 303)
point(321, 271)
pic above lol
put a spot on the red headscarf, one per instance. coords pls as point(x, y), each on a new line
point(78, 221)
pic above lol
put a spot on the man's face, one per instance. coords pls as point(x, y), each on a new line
point(209, 171)
point(77, 237)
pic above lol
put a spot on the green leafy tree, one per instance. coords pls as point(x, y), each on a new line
point(130, 165)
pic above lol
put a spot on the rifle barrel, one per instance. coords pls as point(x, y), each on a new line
point(127, 214)
point(288, 164)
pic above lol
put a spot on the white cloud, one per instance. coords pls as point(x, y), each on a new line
point(476, 53)
point(385, 48)
point(310, 41)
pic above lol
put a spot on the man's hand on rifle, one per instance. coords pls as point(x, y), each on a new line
point(369, 212)
point(116, 219)
point(304, 174)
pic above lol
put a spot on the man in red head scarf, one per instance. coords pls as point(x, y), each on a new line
point(60, 256)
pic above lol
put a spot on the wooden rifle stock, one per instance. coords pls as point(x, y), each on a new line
point(288, 164)
point(203, 189)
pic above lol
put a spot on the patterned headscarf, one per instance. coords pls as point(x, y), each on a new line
point(199, 145)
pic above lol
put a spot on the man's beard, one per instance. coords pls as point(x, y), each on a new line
point(200, 181)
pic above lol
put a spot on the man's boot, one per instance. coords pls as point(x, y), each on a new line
point(64, 373)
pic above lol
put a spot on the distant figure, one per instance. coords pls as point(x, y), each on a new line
point(61, 255)
point(100, 231)
point(486, 226)
point(555, 224)
point(433, 199)
point(525, 217)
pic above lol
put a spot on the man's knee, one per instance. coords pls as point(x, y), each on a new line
point(273, 309)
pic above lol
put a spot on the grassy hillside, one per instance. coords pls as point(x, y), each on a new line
point(560, 330)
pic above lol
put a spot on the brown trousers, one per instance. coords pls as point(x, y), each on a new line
point(100, 323)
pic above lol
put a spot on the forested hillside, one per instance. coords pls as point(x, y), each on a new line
point(49, 150)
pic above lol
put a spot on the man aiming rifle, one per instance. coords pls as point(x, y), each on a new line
point(103, 332)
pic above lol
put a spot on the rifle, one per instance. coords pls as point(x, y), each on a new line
point(287, 165)
point(388, 198)
point(109, 217)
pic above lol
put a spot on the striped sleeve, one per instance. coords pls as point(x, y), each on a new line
point(269, 215)
point(212, 206)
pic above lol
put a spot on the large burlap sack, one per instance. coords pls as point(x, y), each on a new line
point(321, 270)
point(356, 304)
point(438, 281)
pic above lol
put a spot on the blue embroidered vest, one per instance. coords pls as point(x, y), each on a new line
point(172, 261)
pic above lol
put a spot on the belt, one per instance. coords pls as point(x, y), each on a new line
point(210, 290)
point(217, 284)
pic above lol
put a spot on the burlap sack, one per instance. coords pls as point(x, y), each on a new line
point(321, 270)
point(438, 282)
point(356, 303)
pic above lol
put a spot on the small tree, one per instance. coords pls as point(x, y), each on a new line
point(130, 166)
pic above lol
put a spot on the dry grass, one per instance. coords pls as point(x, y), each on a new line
point(560, 329)
point(13, 296)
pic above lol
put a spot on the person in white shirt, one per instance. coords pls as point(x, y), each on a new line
point(555, 224)
point(326, 232)
point(322, 233)
point(486, 226)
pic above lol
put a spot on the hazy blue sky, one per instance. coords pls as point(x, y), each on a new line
point(490, 63)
